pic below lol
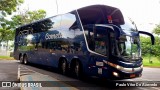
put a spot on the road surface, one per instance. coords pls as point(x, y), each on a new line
point(8, 72)
point(9, 69)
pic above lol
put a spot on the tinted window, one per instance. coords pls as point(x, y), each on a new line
point(97, 39)
point(68, 21)
point(67, 24)
point(54, 23)
point(23, 33)
point(71, 33)
point(26, 30)
point(49, 24)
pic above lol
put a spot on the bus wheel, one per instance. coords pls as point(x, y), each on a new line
point(21, 59)
point(63, 66)
point(77, 70)
point(25, 59)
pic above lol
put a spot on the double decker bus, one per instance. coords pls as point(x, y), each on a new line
point(96, 40)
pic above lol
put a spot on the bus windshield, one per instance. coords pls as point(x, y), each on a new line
point(129, 47)
point(128, 25)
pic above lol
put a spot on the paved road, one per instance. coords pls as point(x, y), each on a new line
point(149, 74)
point(8, 72)
point(152, 74)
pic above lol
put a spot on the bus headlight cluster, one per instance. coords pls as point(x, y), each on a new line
point(116, 66)
point(123, 68)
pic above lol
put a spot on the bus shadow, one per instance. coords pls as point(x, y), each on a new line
point(85, 81)
point(47, 68)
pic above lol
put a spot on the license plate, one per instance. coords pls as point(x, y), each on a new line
point(132, 75)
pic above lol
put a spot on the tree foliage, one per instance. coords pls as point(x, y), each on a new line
point(9, 6)
point(157, 30)
point(147, 48)
point(6, 31)
point(7, 28)
point(6, 8)
point(28, 17)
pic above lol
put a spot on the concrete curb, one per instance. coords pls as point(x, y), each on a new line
point(30, 76)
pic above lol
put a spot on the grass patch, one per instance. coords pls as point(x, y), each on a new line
point(6, 58)
point(155, 61)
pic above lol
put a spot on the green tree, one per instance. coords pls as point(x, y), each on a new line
point(28, 17)
point(9, 6)
point(8, 27)
point(157, 30)
point(6, 8)
point(36, 15)
point(147, 48)
point(6, 30)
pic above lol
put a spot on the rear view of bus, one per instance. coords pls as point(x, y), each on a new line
point(113, 43)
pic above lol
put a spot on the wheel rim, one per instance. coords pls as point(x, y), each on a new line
point(77, 69)
point(21, 59)
point(25, 60)
point(63, 67)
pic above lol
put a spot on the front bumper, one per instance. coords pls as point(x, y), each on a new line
point(113, 73)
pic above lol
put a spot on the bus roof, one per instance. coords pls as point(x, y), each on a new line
point(100, 14)
point(89, 11)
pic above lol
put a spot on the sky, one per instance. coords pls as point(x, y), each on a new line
point(145, 13)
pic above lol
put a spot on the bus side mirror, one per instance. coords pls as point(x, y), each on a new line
point(149, 34)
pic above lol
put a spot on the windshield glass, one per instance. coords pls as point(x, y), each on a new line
point(128, 25)
point(129, 47)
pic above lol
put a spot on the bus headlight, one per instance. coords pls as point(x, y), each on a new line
point(119, 67)
point(114, 65)
point(115, 74)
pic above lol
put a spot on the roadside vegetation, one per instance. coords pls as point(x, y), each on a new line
point(6, 58)
point(151, 61)
point(150, 53)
